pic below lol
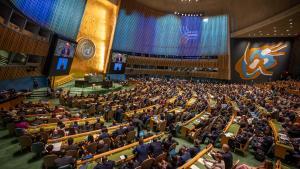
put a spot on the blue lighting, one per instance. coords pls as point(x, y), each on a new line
point(171, 34)
point(61, 16)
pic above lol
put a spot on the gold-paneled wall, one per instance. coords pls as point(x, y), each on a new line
point(97, 24)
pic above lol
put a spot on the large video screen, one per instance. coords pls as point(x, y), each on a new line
point(61, 57)
point(64, 48)
point(171, 34)
point(118, 63)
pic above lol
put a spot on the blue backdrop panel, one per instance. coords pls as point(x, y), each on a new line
point(61, 16)
point(171, 34)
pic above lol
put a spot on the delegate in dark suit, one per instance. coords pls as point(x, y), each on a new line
point(156, 148)
point(141, 151)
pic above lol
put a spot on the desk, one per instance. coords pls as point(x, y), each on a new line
point(173, 99)
point(197, 161)
point(139, 111)
point(177, 110)
point(294, 92)
point(262, 111)
point(212, 102)
point(52, 126)
point(231, 130)
point(191, 102)
point(81, 136)
point(155, 123)
point(116, 153)
point(281, 150)
point(12, 102)
point(190, 125)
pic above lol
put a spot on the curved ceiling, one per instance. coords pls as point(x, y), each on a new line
point(243, 13)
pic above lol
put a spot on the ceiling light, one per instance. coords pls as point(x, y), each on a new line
point(291, 26)
point(291, 23)
point(290, 20)
point(274, 27)
point(275, 30)
point(205, 20)
point(287, 30)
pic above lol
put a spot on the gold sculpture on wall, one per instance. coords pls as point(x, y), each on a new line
point(97, 25)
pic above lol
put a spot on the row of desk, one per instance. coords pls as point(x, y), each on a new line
point(12, 102)
point(281, 149)
point(197, 161)
point(52, 126)
point(232, 129)
point(191, 124)
point(115, 154)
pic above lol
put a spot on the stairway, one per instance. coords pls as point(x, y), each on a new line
point(38, 93)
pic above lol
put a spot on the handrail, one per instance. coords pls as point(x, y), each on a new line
point(199, 155)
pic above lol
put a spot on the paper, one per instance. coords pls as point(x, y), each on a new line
point(194, 167)
point(228, 134)
point(122, 157)
point(57, 146)
point(201, 160)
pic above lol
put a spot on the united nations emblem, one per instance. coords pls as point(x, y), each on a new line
point(85, 49)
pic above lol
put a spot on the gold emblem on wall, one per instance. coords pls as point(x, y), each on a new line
point(85, 49)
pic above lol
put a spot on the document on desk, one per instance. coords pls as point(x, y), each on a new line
point(57, 146)
point(194, 167)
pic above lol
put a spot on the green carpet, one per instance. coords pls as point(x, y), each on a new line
point(12, 158)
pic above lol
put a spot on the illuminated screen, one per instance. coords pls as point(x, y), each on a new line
point(171, 35)
point(64, 48)
point(60, 57)
point(118, 63)
point(61, 16)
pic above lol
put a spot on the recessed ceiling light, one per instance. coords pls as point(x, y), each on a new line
point(287, 30)
point(291, 23)
point(275, 30)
